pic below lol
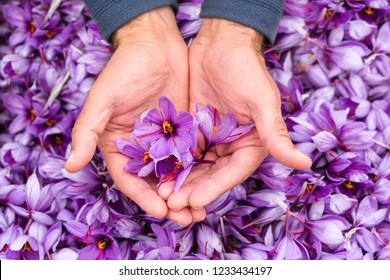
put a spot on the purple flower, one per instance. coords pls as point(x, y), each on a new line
point(348, 55)
point(329, 229)
point(165, 130)
point(175, 167)
point(368, 214)
point(140, 162)
point(79, 183)
point(23, 247)
point(9, 234)
point(14, 66)
point(256, 251)
point(289, 248)
point(38, 201)
point(216, 131)
point(348, 170)
point(360, 29)
point(209, 242)
point(99, 244)
point(94, 59)
point(339, 204)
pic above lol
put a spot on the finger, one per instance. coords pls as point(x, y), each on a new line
point(198, 215)
point(182, 217)
point(166, 189)
point(85, 135)
point(272, 129)
point(240, 166)
point(179, 200)
point(136, 188)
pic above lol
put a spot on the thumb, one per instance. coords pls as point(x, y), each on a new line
point(273, 132)
point(89, 126)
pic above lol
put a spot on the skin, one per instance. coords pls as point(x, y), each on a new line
point(149, 61)
point(228, 72)
point(223, 68)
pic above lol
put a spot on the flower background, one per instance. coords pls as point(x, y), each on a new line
point(331, 61)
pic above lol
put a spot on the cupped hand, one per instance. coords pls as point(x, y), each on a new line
point(228, 72)
point(150, 61)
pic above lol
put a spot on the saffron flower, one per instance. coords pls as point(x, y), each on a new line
point(165, 130)
point(141, 161)
point(217, 131)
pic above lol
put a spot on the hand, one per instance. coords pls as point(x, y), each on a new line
point(228, 72)
point(150, 61)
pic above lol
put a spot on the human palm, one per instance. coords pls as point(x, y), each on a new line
point(136, 76)
point(229, 73)
point(139, 88)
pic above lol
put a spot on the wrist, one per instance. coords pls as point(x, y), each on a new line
point(155, 25)
point(217, 29)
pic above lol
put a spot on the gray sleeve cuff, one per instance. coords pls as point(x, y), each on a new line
point(261, 15)
point(109, 15)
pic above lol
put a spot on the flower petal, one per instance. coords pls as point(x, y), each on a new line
point(130, 149)
point(238, 133)
point(147, 169)
point(135, 165)
point(325, 141)
point(162, 149)
point(153, 116)
point(167, 109)
point(148, 133)
point(90, 252)
point(181, 177)
point(33, 191)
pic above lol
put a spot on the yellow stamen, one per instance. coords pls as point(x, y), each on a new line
point(368, 10)
point(26, 247)
point(215, 129)
point(374, 178)
point(348, 184)
point(146, 156)
point(32, 27)
point(57, 139)
point(309, 187)
point(102, 243)
point(167, 127)
point(50, 34)
point(328, 13)
point(32, 115)
point(50, 122)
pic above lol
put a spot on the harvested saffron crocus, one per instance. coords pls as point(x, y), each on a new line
point(165, 130)
point(165, 141)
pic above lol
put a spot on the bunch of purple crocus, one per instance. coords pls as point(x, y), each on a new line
point(166, 142)
point(331, 62)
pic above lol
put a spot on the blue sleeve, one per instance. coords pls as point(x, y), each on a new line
point(109, 15)
point(261, 15)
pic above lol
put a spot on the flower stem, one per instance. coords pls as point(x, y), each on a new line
point(204, 153)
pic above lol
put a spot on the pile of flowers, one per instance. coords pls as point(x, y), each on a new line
point(331, 61)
